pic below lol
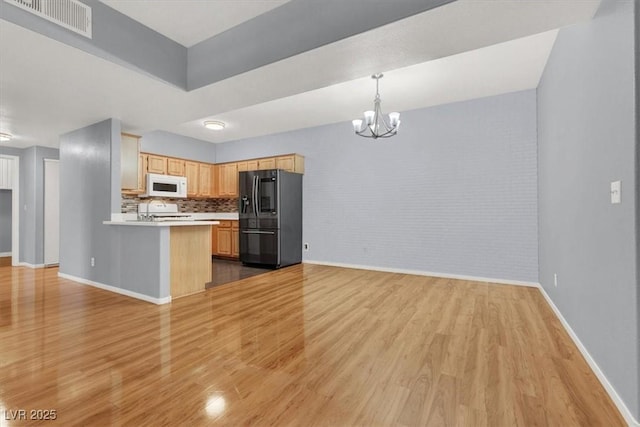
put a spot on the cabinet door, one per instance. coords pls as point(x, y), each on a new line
point(267, 163)
point(214, 240)
point(142, 173)
point(129, 162)
point(156, 164)
point(215, 181)
point(231, 180)
point(175, 167)
point(291, 163)
point(285, 163)
point(191, 172)
point(222, 177)
point(242, 166)
point(205, 180)
point(252, 165)
point(235, 240)
point(224, 241)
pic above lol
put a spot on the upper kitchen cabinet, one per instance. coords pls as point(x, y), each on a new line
point(268, 163)
point(206, 184)
point(192, 172)
point(142, 174)
point(156, 164)
point(288, 162)
point(228, 180)
point(129, 162)
point(244, 166)
point(291, 163)
point(175, 167)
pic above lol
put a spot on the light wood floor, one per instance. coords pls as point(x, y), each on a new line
point(306, 345)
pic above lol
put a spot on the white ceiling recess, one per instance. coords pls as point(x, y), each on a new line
point(189, 22)
point(506, 67)
point(48, 88)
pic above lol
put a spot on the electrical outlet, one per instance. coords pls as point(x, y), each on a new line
point(93, 262)
point(555, 280)
point(305, 246)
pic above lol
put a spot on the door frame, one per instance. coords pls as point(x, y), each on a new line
point(44, 211)
point(15, 209)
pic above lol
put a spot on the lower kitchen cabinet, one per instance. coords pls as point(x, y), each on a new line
point(235, 239)
point(225, 239)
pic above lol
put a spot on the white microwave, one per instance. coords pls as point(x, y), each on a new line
point(166, 186)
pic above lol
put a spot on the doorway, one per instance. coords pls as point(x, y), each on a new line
point(10, 180)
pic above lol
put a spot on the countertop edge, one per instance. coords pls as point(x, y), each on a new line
point(162, 223)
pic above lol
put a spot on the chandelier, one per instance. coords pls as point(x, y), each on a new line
point(375, 124)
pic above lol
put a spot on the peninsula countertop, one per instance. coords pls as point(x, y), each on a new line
point(137, 223)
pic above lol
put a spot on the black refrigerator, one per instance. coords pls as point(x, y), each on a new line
point(270, 214)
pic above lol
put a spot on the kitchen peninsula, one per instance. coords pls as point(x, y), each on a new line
point(176, 258)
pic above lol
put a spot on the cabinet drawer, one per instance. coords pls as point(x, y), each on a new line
point(225, 224)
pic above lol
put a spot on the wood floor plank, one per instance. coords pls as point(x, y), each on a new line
point(304, 345)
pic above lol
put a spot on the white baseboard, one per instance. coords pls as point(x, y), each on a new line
point(121, 291)
point(626, 413)
point(5, 254)
point(26, 264)
point(425, 273)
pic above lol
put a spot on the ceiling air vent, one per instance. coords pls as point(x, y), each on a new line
point(70, 14)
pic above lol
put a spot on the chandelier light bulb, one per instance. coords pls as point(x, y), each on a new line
point(394, 119)
point(357, 125)
point(368, 117)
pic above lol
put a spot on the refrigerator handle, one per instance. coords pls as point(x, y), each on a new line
point(255, 195)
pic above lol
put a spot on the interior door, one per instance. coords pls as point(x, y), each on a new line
point(51, 212)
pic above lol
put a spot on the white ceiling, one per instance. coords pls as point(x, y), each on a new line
point(189, 22)
point(444, 55)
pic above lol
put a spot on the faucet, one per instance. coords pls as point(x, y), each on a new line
point(146, 216)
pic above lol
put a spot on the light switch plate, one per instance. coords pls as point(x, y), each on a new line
point(615, 192)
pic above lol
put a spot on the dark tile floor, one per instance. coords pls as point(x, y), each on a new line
point(226, 271)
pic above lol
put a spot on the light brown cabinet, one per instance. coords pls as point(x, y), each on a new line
point(242, 166)
point(193, 179)
point(225, 239)
point(175, 167)
point(235, 239)
point(156, 164)
point(268, 163)
point(142, 174)
point(206, 180)
point(228, 180)
point(291, 163)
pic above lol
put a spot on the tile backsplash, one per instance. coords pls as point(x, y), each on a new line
point(130, 204)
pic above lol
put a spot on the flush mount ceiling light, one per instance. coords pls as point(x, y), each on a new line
point(375, 124)
point(214, 125)
point(4, 137)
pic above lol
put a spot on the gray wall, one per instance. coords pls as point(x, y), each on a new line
point(454, 192)
point(170, 144)
point(85, 194)
point(31, 200)
point(586, 130)
point(5, 220)
point(90, 192)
